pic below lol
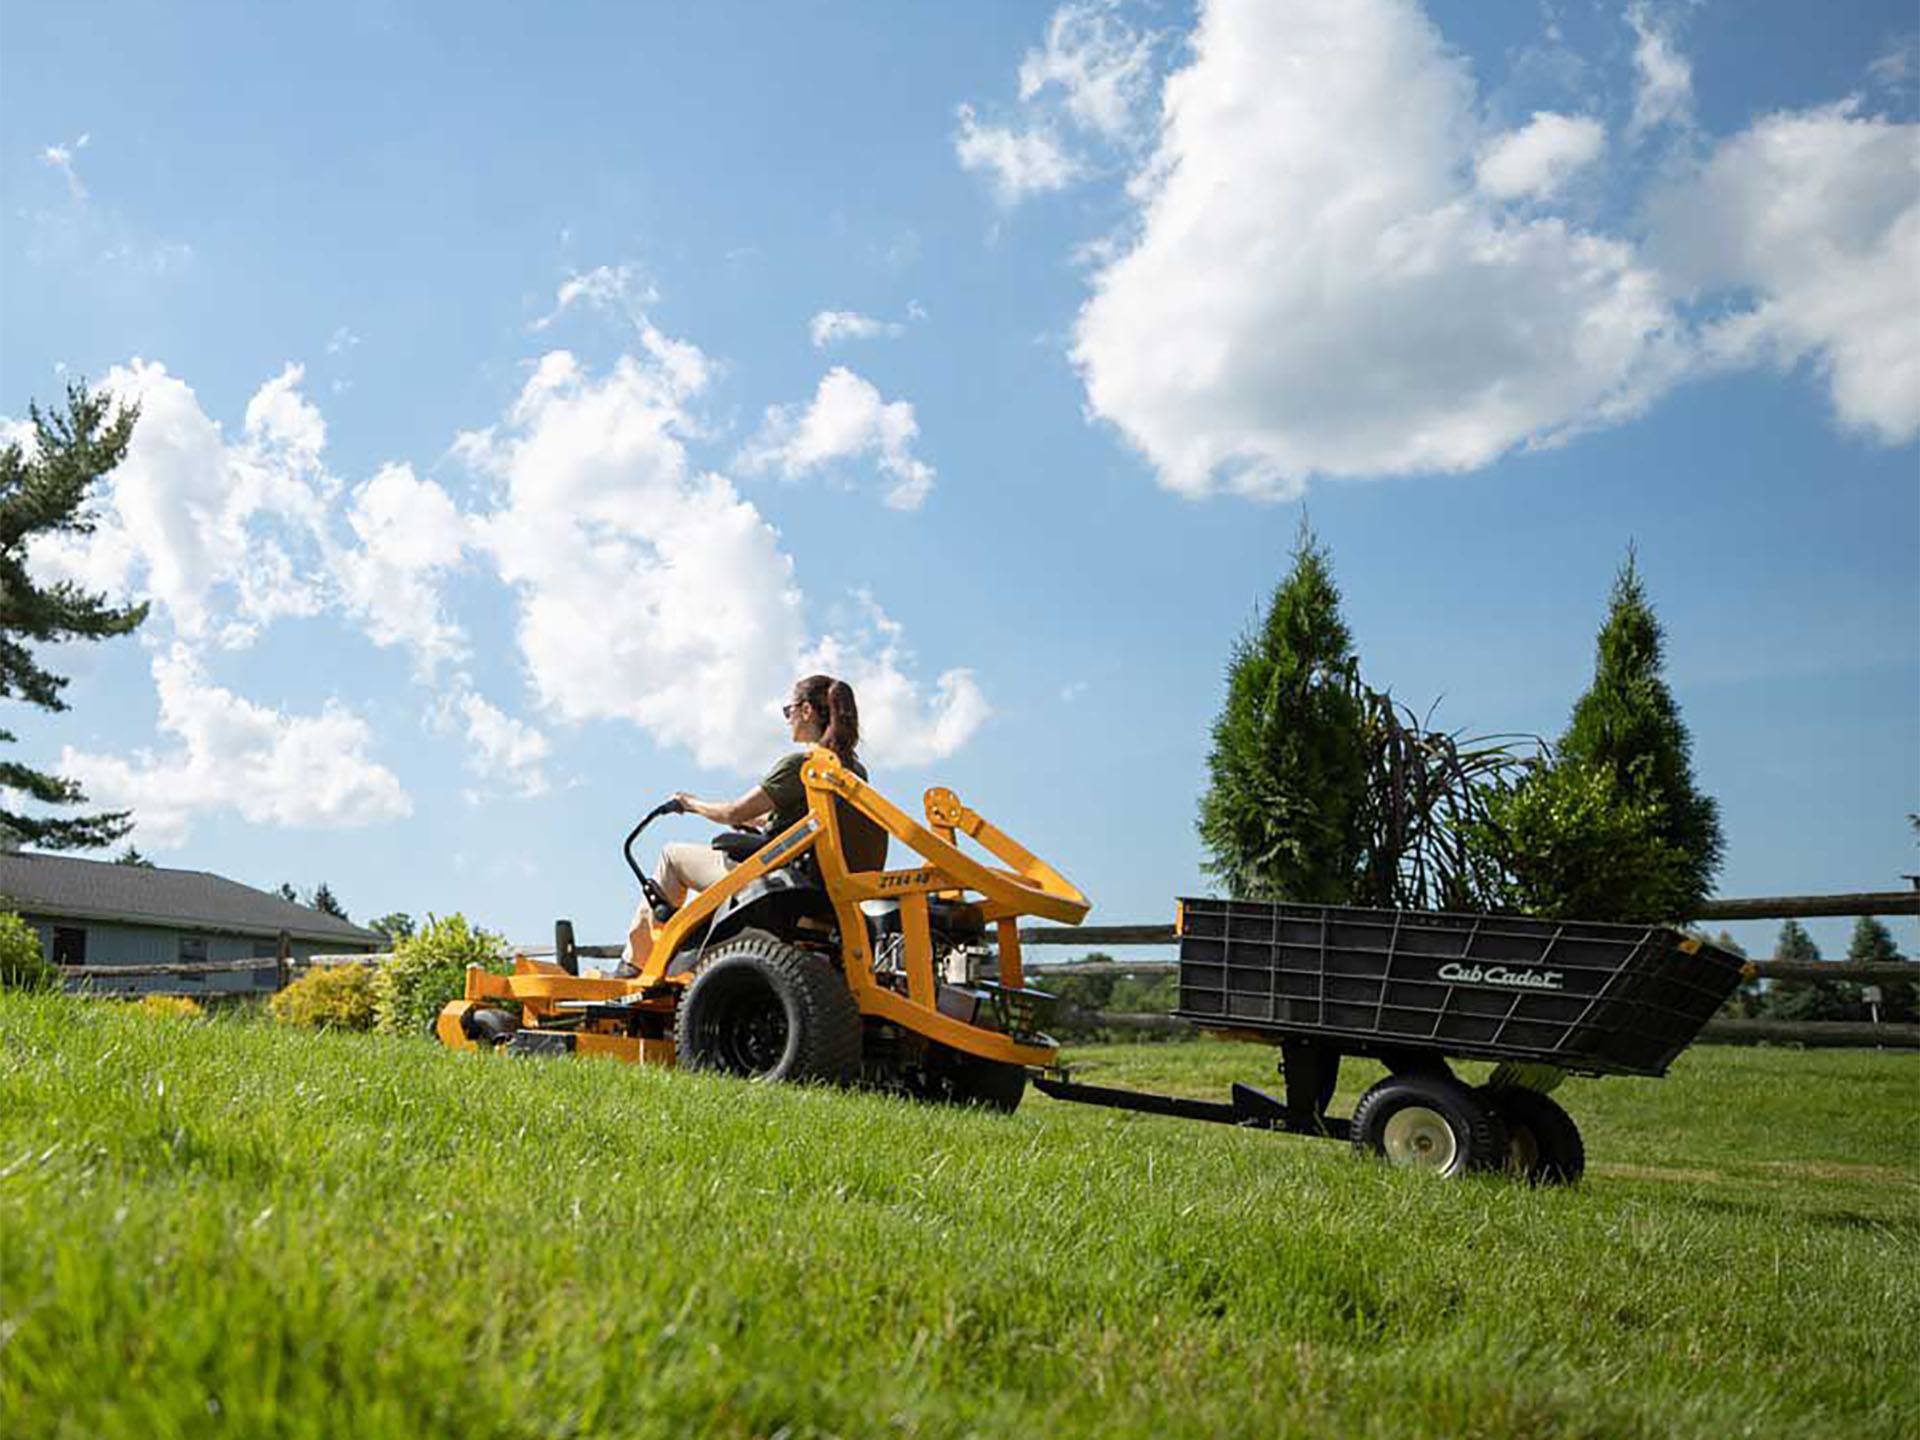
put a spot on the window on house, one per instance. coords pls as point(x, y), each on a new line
point(266, 950)
point(193, 949)
point(69, 945)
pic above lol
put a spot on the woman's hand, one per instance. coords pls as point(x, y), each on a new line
point(688, 803)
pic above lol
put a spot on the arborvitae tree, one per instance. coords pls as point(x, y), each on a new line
point(1612, 828)
point(1629, 725)
point(1807, 999)
point(1282, 817)
point(42, 493)
point(1872, 944)
point(323, 901)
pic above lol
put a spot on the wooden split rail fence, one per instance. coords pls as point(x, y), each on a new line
point(1098, 937)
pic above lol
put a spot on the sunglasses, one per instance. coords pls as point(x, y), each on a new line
point(786, 711)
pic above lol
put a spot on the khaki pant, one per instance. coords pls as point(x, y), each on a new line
point(682, 868)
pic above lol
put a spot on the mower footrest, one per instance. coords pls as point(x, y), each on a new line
point(542, 1042)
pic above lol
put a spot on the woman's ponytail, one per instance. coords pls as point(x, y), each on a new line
point(833, 701)
point(843, 721)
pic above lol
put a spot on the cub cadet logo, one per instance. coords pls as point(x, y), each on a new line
point(902, 882)
point(1499, 975)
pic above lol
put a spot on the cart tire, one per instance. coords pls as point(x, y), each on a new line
point(1429, 1122)
point(1543, 1143)
point(766, 1010)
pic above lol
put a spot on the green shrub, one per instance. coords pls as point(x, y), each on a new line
point(430, 968)
point(23, 965)
point(328, 997)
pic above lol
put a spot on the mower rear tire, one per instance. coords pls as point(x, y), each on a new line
point(1429, 1122)
point(1543, 1143)
point(766, 1010)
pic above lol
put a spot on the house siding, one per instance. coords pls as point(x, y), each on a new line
point(109, 944)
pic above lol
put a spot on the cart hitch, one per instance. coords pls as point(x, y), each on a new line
point(1247, 1107)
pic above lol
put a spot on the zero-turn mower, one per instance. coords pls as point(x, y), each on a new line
point(798, 967)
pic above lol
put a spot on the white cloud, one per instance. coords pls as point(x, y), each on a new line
point(410, 537)
point(1539, 157)
point(272, 768)
point(502, 747)
point(1019, 162)
point(847, 418)
point(1313, 289)
point(1664, 94)
point(652, 592)
point(899, 725)
point(829, 327)
point(605, 287)
point(1101, 65)
point(1809, 223)
point(341, 340)
point(209, 529)
point(60, 157)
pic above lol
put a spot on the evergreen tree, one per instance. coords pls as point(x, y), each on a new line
point(323, 901)
point(133, 857)
point(1872, 944)
point(287, 892)
point(46, 492)
point(1807, 999)
point(1613, 827)
point(1629, 725)
point(1283, 815)
point(396, 925)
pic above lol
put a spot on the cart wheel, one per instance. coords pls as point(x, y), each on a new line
point(1429, 1122)
point(767, 1010)
point(1543, 1143)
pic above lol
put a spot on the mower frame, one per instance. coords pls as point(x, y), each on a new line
point(633, 1018)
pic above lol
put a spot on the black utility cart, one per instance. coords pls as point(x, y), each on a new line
point(1414, 989)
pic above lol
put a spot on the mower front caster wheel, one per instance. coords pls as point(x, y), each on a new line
point(1429, 1122)
point(766, 1010)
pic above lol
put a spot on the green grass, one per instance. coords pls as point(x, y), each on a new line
point(225, 1228)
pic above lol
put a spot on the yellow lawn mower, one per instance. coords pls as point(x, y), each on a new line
point(798, 966)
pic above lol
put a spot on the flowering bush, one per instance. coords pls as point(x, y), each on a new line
point(171, 1007)
point(430, 968)
point(23, 965)
point(328, 997)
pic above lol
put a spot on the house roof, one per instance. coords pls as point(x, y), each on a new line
point(62, 886)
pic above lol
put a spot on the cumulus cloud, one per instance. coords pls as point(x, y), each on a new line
point(651, 591)
point(410, 537)
point(1020, 163)
point(1539, 157)
point(1805, 228)
point(848, 418)
point(1312, 288)
point(618, 288)
point(1087, 88)
point(829, 327)
point(899, 724)
point(500, 746)
point(206, 527)
point(1101, 67)
point(1664, 92)
point(272, 768)
point(61, 158)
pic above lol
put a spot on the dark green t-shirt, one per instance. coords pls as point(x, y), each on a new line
point(864, 841)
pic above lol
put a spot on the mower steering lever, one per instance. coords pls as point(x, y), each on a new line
point(647, 887)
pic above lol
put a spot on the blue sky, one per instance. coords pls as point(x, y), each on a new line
point(529, 391)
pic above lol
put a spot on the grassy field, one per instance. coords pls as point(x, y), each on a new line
point(211, 1227)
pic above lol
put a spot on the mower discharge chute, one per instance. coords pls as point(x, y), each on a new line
point(798, 967)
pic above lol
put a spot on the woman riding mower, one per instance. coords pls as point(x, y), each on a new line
point(821, 712)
